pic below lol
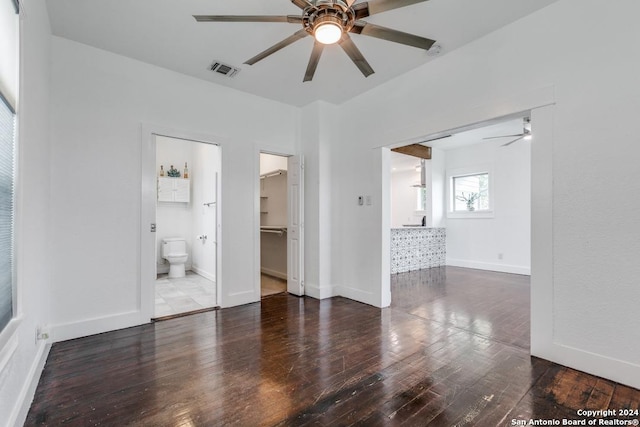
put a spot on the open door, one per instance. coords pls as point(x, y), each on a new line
point(295, 226)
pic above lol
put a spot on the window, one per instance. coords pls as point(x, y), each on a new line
point(7, 133)
point(470, 192)
point(9, 31)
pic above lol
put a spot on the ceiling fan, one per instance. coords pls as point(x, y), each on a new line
point(330, 22)
point(526, 133)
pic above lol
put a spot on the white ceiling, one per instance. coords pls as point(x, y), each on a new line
point(402, 162)
point(164, 33)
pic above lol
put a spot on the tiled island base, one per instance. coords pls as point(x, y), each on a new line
point(416, 248)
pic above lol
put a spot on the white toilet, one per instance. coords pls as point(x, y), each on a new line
point(174, 250)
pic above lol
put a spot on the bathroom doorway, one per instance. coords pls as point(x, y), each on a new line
point(186, 237)
point(273, 224)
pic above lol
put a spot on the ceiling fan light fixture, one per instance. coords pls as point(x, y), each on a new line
point(327, 30)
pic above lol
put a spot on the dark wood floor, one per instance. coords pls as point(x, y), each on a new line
point(452, 350)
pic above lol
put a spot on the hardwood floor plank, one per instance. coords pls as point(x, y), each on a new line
point(451, 350)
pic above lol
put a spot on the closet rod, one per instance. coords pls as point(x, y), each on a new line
point(279, 232)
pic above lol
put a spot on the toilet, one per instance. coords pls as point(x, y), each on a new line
point(174, 250)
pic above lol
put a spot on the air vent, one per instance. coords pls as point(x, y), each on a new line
point(224, 69)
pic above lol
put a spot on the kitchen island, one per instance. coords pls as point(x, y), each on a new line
point(415, 248)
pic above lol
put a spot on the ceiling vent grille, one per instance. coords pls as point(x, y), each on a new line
point(224, 69)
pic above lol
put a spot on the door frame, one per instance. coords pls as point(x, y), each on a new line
point(276, 151)
point(540, 103)
point(147, 250)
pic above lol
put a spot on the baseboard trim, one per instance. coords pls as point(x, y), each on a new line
point(86, 327)
point(318, 292)
point(21, 410)
point(595, 364)
point(274, 273)
point(479, 265)
point(356, 295)
point(204, 273)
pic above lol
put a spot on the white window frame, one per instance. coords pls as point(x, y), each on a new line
point(467, 171)
point(8, 335)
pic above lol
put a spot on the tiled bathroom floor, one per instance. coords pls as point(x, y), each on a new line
point(190, 293)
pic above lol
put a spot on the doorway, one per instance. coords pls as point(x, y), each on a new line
point(273, 224)
point(186, 237)
point(280, 245)
point(476, 185)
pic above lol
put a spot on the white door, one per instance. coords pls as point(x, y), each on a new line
point(295, 226)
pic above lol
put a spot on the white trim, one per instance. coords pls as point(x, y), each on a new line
point(486, 214)
point(540, 103)
point(274, 273)
point(8, 334)
point(276, 151)
point(203, 273)
point(595, 364)
point(542, 329)
point(6, 353)
point(357, 295)
point(20, 411)
point(318, 292)
point(479, 265)
point(147, 240)
point(98, 325)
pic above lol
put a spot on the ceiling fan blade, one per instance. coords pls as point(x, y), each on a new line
point(511, 142)
point(276, 47)
point(313, 61)
point(369, 8)
point(384, 33)
point(356, 56)
point(302, 4)
point(293, 19)
point(520, 135)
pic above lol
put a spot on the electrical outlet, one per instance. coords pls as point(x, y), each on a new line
point(368, 200)
point(500, 256)
point(42, 333)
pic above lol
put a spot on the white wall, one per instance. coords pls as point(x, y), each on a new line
point(437, 193)
point(33, 249)
point(403, 198)
point(590, 288)
point(204, 172)
point(270, 163)
point(100, 101)
point(317, 134)
point(501, 242)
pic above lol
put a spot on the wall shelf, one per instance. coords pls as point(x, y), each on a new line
point(174, 190)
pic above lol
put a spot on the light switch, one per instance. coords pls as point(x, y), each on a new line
point(360, 201)
point(368, 200)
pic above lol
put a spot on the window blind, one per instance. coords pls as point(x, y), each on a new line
point(7, 132)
